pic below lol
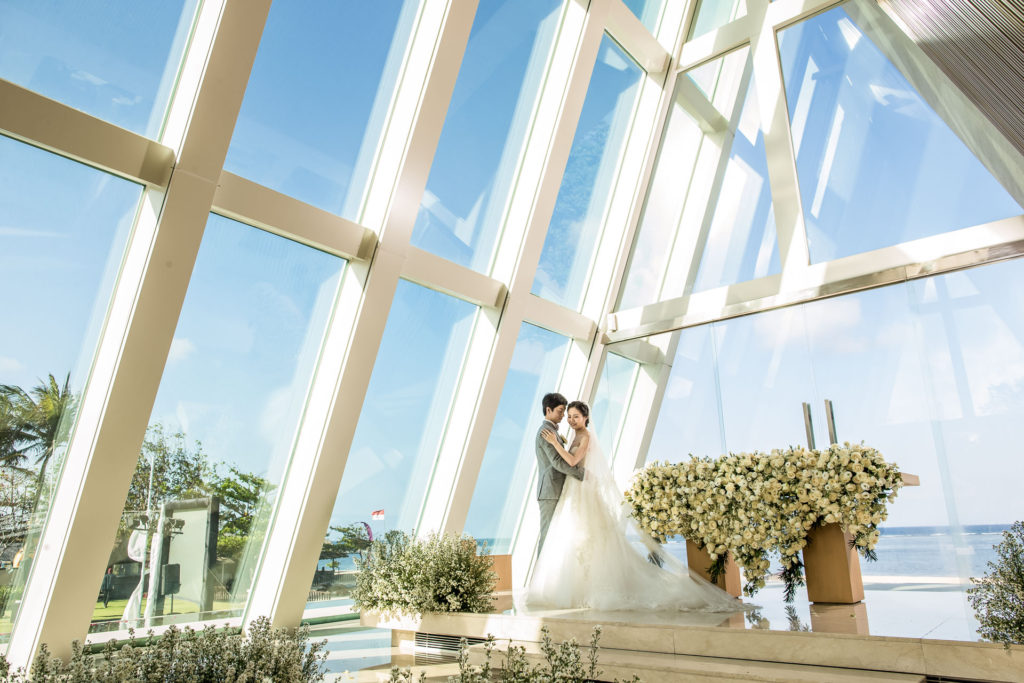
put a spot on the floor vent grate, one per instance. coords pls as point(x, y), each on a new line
point(434, 643)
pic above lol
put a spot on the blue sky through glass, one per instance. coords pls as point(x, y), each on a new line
point(61, 255)
point(117, 60)
point(876, 165)
point(586, 184)
point(316, 100)
point(407, 402)
point(486, 125)
point(246, 343)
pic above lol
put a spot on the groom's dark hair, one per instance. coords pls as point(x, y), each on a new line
point(552, 401)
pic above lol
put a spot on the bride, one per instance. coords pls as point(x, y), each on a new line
point(588, 559)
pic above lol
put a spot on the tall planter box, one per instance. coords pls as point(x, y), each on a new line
point(831, 566)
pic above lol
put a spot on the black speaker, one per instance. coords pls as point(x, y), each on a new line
point(170, 579)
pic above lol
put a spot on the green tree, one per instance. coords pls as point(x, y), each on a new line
point(998, 597)
point(241, 495)
point(353, 541)
point(179, 470)
point(36, 423)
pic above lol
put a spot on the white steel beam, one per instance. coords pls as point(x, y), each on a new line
point(58, 128)
point(927, 256)
point(115, 406)
point(249, 202)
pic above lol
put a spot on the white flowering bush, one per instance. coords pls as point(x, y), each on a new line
point(754, 505)
point(441, 573)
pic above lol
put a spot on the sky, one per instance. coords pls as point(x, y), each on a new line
point(249, 334)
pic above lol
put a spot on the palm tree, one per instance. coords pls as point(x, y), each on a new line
point(33, 424)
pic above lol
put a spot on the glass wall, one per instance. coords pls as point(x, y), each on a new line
point(502, 487)
point(475, 165)
point(63, 231)
point(310, 123)
point(221, 431)
point(116, 60)
point(876, 165)
point(575, 226)
point(687, 176)
point(407, 406)
point(929, 373)
point(611, 398)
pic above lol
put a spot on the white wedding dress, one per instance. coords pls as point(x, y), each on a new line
point(588, 559)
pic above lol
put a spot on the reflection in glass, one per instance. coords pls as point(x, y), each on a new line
point(221, 430)
point(741, 243)
point(587, 183)
point(690, 420)
point(682, 182)
point(501, 489)
point(876, 165)
point(400, 429)
point(714, 14)
point(611, 399)
point(647, 11)
point(488, 118)
point(117, 61)
point(319, 91)
point(970, 327)
point(63, 233)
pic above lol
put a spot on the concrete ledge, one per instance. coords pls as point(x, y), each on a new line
point(862, 653)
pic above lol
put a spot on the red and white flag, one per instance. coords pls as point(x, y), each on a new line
point(377, 514)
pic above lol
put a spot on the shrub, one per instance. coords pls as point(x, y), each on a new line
point(998, 597)
point(561, 663)
point(204, 656)
point(442, 573)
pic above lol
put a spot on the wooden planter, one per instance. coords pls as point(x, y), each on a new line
point(831, 567)
point(699, 561)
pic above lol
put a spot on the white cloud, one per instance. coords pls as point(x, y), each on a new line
point(16, 231)
point(9, 365)
point(181, 348)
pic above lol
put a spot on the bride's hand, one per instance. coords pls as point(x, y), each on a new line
point(549, 436)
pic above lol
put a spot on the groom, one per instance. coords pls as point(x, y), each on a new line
point(551, 468)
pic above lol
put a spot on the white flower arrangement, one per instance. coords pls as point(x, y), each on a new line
point(755, 504)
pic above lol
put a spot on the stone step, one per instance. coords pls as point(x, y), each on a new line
point(651, 667)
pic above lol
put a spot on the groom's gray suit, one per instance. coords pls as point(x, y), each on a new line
point(551, 471)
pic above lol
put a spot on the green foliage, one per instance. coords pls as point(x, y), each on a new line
point(998, 597)
point(354, 541)
point(442, 573)
point(210, 655)
point(562, 662)
point(178, 469)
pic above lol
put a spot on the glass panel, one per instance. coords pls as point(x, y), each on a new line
point(611, 399)
point(587, 183)
point(221, 429)
point(400, 429)
point(647, 11)
point(315, 104)
point(64, 230)
point(690, 420)
point(682, 182)
point(971, 334)
point(714, 14)
point(741, 242)
point(117, 61)
point(488, 118)
point(765, 376)
point(876, 165)
point(502, 487)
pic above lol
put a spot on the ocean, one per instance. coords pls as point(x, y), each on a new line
point(921, 551)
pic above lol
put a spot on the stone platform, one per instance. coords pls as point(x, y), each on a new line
point(712, 646)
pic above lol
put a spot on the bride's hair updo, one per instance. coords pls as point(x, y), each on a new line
point(583, 408)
